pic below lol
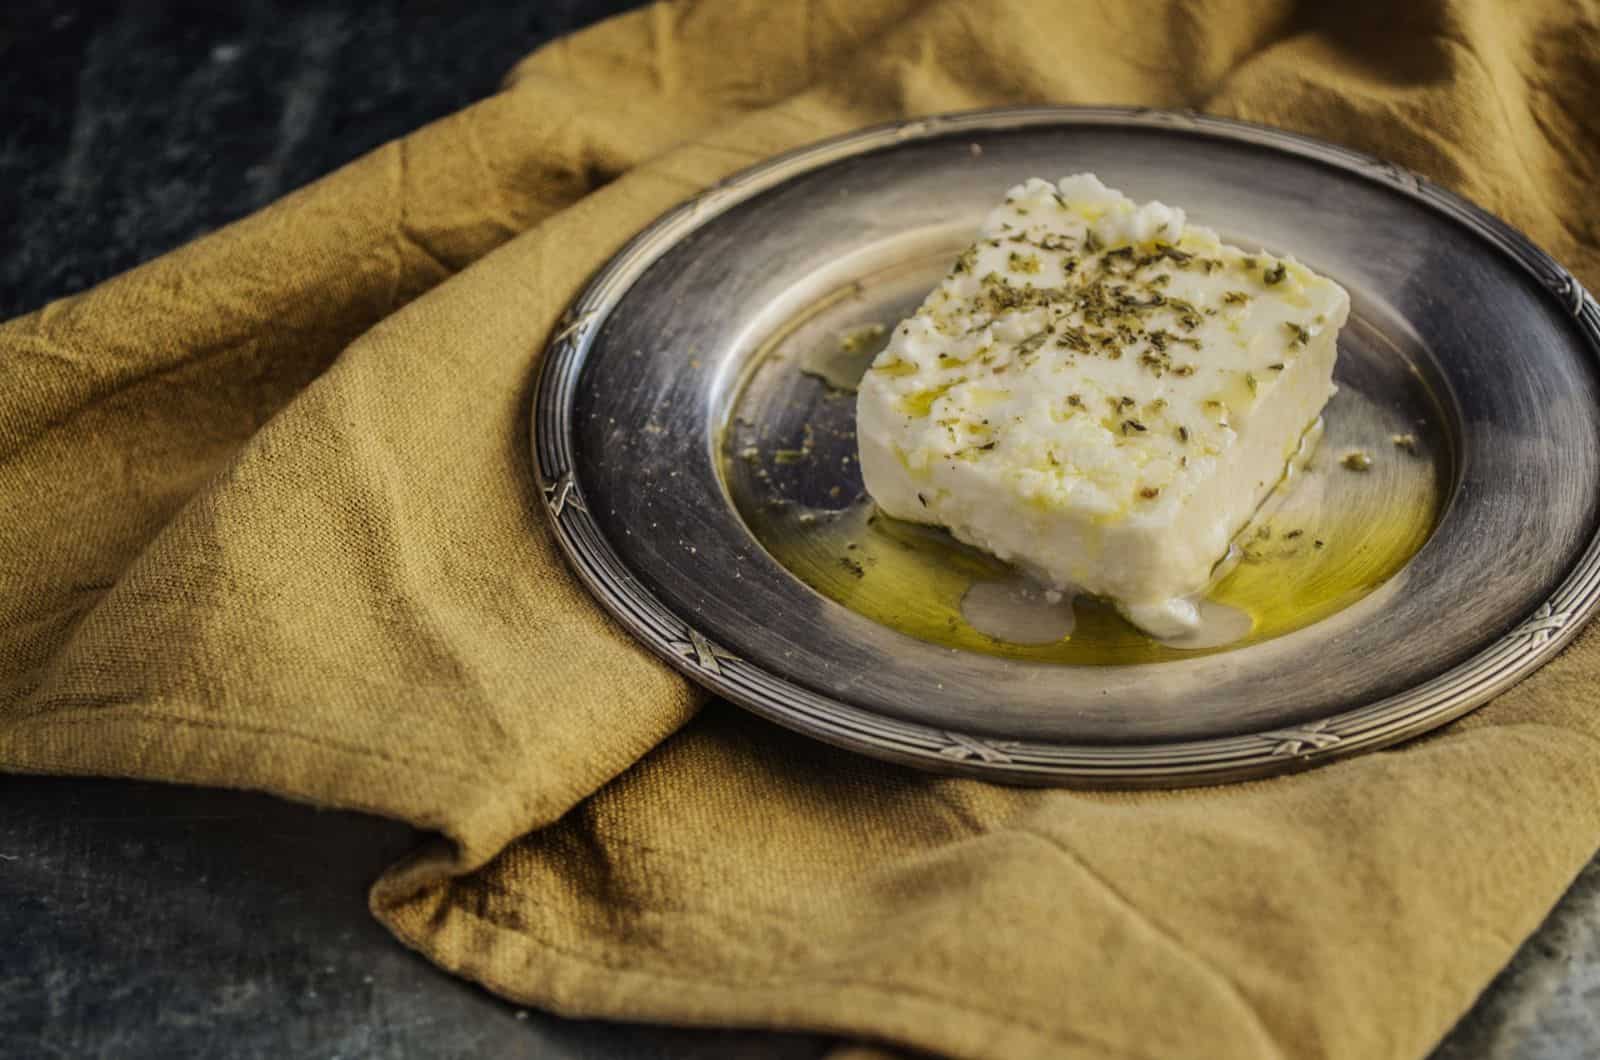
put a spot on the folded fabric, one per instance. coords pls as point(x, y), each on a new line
point(270, 523)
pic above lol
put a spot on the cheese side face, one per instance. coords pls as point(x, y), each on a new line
point(1100, 394)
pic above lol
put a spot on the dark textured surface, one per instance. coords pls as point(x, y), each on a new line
point(128, 129)
point(138, 920)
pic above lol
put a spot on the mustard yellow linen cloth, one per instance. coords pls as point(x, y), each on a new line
point(269, 523)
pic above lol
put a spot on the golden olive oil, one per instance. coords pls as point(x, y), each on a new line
point(912, 578)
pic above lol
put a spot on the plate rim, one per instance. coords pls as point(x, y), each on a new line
point(673, 637)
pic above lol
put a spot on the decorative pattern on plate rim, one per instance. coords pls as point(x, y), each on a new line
point(1301, 740)
point(961, 748)
point(1181, 117)
point(697, 648)
point(563, 495)
point(1543, 626)
point(1207, 761)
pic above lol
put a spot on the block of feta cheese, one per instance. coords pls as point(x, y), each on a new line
point(1100, 394)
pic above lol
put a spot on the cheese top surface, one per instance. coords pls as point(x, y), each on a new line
point(1093, 364)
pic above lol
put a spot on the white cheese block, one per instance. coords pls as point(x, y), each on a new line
point(1100, 394)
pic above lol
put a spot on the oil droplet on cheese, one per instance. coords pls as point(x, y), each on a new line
point(921, 403)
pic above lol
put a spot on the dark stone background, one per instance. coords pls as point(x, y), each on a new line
point(139, 920)
point(128, 129)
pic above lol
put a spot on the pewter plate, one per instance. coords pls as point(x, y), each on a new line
point(1463, 334)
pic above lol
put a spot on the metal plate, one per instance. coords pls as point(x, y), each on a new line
point(1463, 331)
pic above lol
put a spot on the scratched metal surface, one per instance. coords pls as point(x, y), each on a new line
point(138, 920)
